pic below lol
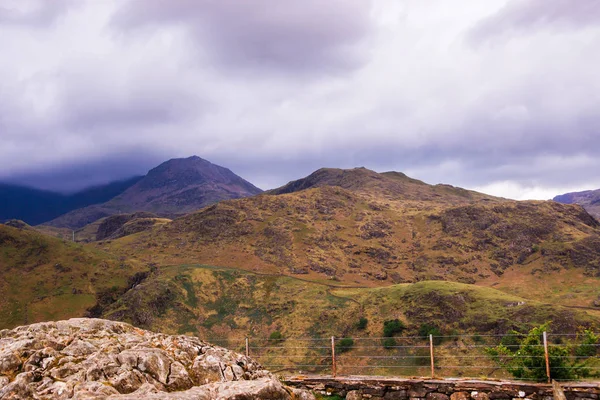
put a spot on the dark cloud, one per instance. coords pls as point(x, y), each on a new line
point(72, 176)
point(521, 16)
point(38, 13)
point(276, 92)
point(312, 35)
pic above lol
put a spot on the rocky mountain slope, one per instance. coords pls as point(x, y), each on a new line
point(92, 358)
point(175, 187)
point(364, 236)
point(37, 206)
point(589, 199)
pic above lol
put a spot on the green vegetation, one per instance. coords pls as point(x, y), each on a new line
point(528, 362)
point(276, 336)
point(589, 344)
point(319, 396)
point(344, 345)
point(389, 343)
point(512, 340)
point(44, 278)
point(362, 323)
point(392, 327)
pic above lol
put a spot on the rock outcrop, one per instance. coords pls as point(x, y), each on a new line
point(97, 359)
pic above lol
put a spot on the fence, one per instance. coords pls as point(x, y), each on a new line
point(554, 356)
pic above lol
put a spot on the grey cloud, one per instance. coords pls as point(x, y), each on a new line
point(114, 106)
point(522, 16)
point(70, 176)
point(41, 14)
point(307, 36)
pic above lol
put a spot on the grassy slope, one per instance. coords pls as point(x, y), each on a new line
point(44, 278)
point(219, 303)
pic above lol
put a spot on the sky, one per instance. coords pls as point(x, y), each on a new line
point(500, 96)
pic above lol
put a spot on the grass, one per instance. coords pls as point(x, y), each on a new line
point(44, 278)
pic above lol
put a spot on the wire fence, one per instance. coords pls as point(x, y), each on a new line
point(562, 357)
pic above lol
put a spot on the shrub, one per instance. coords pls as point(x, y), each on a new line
point(528, 361)
point(511, 341)
point(426, 330)
point(276, 336)
point(362, 323)
point(391, 327)
point(389, 342)
point(344, 345)
point(588, 347)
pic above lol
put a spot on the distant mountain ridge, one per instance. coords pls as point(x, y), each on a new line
point(175, 187)
point(36, 206)
point(392, 184)
point(588, 199)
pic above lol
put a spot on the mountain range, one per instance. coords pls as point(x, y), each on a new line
point(308, 258)
point(589, 199)
point(38, 206)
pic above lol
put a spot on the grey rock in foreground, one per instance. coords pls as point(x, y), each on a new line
point(97, 359)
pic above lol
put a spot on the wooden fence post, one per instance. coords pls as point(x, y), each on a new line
point(431, 355)
point(247, 348)
point(333, 362)
point(547, 357)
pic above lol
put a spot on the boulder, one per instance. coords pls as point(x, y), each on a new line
point(96, 359)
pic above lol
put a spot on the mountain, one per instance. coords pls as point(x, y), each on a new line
point(589, 199)
point(392, 185)
point(175, 187)
point(385, 229)
point(36, 206)
point(311, 259)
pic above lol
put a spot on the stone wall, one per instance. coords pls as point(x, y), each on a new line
point(424, 389)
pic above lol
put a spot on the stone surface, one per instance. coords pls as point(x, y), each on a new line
point(97, 359)
point(360, 387)
point(460, 396)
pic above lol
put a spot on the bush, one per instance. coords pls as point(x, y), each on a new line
point(276, 336)
point(344, 345)
point(528, 361)
point(391, 327)
point(511, 340)
point(589, 345)
point(362, 323)
point(426, 330)
point(389, 342)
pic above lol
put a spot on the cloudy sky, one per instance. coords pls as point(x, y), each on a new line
point(501, 96)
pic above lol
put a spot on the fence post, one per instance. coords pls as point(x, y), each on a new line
point(333, 363)
point(247, 348)
point(431, 355)
point(547, 357)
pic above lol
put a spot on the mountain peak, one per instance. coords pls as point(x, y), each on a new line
point(175, 187)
